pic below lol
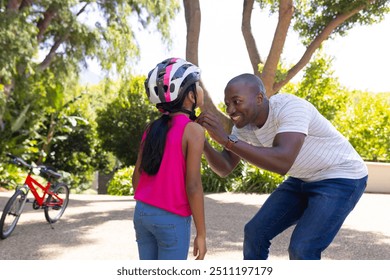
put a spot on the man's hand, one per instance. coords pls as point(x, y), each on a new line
point(213, 126)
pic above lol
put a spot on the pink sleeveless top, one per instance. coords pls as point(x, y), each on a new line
point(167, 189)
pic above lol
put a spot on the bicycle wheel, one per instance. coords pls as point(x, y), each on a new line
point(54, 210)
point(11, 213)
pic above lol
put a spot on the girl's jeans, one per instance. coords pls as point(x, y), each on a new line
point(161, 235)
point(318, 209)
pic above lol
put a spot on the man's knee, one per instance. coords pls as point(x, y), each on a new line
point(250, 229)
point(299, 252)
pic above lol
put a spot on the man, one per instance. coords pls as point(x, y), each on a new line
point(287, 135)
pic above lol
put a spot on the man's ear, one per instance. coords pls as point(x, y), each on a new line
point(259, 98)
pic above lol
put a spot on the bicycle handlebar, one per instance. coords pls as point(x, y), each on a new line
point(18, 161)
point(44, 169)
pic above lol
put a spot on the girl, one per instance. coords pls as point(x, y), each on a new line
point(167, 181)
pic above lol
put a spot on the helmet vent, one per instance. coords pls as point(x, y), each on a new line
point(169, 79)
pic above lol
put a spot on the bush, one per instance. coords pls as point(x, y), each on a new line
point(11, 176)
point(121, 183)
point(121, 123)
point(245, 178)
point(366, 124)
point(257, 180)
point(212, 183)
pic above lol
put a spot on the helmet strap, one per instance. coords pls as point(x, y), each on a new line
point(191, 113)
point(193, 117)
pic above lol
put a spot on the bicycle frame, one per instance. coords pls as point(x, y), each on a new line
point(50, 195)
point(33, 185)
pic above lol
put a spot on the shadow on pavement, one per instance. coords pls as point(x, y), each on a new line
point(34, 239)
point(226, 221)
point(100, 227)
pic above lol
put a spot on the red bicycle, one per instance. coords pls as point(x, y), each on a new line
point(52, 197)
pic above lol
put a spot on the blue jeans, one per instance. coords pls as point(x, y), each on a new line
point(318, 209)
point(161, 235)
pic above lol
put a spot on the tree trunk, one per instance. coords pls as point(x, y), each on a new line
point(193, 19)
point(49, 138)
point(286, 11)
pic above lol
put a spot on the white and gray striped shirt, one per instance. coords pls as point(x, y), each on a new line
point(325, 153)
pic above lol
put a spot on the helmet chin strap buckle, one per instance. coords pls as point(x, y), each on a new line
point(191, 113)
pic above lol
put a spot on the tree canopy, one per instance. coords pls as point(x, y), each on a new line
point(60, 35)
point(46, 116)
point(314, 21)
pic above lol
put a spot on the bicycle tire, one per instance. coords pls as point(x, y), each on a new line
point(54, 213)
point(10, 216)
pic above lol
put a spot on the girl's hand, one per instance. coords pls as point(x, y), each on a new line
point(200, 247)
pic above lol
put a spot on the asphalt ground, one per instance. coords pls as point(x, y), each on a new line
point(99, 227)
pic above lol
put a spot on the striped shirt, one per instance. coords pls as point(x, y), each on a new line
point(325, 153)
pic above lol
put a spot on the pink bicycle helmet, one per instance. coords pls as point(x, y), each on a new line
point(169, 79)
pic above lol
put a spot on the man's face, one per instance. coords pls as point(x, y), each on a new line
point(243, 104)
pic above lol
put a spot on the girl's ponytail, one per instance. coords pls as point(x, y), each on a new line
point(167, 85)
point(154, 144)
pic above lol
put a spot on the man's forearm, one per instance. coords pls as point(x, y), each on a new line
point(220, 162)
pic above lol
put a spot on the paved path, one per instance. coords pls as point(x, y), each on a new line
point(99, 227)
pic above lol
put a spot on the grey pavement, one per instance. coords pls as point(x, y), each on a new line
point(99, 227)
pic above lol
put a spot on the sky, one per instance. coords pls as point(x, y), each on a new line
point(361, 59)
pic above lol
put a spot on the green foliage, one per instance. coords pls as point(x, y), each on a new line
point(245, 178)
point(15, 43)
point(122, 122)
point(44, 45)
point(366, 124)
point(311, 17)
point(67, 32)
point(212, 183)
point(28, 110)
point(257, 180)
point(362, 117)
point(55, 129)
point(121, 183)
point(321, 88)
point(73, 150)
point(11, 176)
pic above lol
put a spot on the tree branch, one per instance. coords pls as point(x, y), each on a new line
point(315, 44)
point(250, 42)
point(44, 23)
point(13, 5)
point(52, 53)
point(50, 56)
point(25, 3)
point(82, 9)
